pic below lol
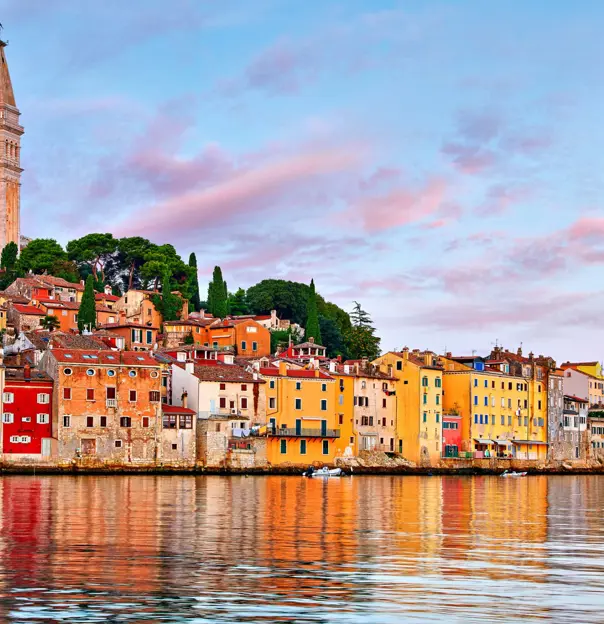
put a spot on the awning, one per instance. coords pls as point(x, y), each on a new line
point(537, 442)
point(503, 442)
point(483, 441)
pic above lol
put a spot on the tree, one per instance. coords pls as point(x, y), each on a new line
point(312, 329)
point(331, 337)
point(87, 311)
point(94, 251)
point(195, 302)
point(238, 304)
point(361, 340)
point(50, 322)
point(161, 259)
point(132, 252)
point(217, 295)
point(8, 260)
point(42, 255)
point(168, 305)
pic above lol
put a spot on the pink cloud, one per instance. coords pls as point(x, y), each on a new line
point(400, 206)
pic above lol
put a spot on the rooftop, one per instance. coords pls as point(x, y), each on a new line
point(105, 358)
point(176, 409)
point(28, 309)
point(212, 370)
point(295, 373)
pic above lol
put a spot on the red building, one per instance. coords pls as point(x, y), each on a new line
point(26, 413)
point(451, 435)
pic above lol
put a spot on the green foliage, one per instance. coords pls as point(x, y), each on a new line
point(332, 337)
point(312, 320)
point(217, 295)
point(238, 303)
point(49, 322)
point(195, 302)
point(361, 340)
point(189, 340)
point(87, 311)
point(167, 304)
point(93, 251)
point(42, 255)
point(162, 259)
point(289, 299)
point(66, 269)
point(8, 260)
point(132, 252)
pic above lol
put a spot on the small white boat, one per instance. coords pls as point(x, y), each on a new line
point(323, 472)
point(513, 474)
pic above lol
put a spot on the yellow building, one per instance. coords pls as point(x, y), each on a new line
point(3, 311)
point(418, 402)
point(366, 407)
point(302, 415)
point(503, 405)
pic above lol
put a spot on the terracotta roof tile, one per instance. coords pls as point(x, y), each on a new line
point(28, 309)
point(104, 357)
point(176, 409)
point(218, 371)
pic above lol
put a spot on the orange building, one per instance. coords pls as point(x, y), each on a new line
point(248, 337)
point(136, 337)
point(106, 404)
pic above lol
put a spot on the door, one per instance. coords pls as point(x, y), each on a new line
point(46, 447)
point(298, 426)
point(88, 446)
point(323, 428)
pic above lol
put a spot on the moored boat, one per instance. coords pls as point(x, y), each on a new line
point(323, 472)
point(506, 473)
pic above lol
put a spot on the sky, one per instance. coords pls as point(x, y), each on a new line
point(438, 161)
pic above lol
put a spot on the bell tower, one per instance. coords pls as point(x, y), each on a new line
point(10, 158)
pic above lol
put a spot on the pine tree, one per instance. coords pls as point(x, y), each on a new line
point(217, 296)
point(87, 311)
point(361, 340)
point(195, 301)
point(313, 329)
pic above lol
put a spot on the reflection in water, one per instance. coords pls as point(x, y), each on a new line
point(280, 549)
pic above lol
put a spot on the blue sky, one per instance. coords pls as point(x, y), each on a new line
point(440, 162)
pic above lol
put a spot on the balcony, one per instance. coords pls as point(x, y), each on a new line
point(111, 402)
point(303, 433)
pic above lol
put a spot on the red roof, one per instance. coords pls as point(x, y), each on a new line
point(106, 358)
point(213, 370)
point(126, 324)
point(104, 297)
point(57, 303)
point(176, 409)
point(293, 372)
point(575, 398)
point(28, 309)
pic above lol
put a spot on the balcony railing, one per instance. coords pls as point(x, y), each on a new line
point(111, 402)
point(303, 433)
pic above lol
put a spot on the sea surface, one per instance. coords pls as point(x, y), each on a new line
point(288, 549)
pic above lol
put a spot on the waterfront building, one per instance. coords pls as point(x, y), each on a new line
point(452, 441)
point(177, 440)
point(26, 414)
point(575, 424)
point(302, 415)
point(595, 427)
point(106, 404)
point(579, 382)
point(419, 403)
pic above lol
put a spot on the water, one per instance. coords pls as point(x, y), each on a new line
point(287, 549)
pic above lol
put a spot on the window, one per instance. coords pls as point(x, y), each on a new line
point(399, 365)
point(43, 398)
point(42, 419)
point(118, 444)
point(67, 371)
point(145, 421)
point(175, 447)
point(185, 421)
point(25, 439)
point(243, 403)
point(272, 403)
point(90, 394)
point(149, 335)
point(222, 402)
point(323, 405)
point(425, 382)
point(503, 420)
point(8, 418)
point(383, 402)
point(475, 419)
point(298, 404)
point(243, 387)
point(271, 384)
point(480, 419)
point(438, 382)
point(90, 372)
point(425, 399)
point(243, 345)
point(475, 400)
point(154, 396)
point(66, 394)
point(323, 387)
point(298, 385)
point(437, 417)
point(110, 393)
point(125, 421)
point(132, 396)
point(67, 421)
point(486, 383)
point(425, 418)
point(283, 447)
point(169, 421)
point(325, 447)
point(486, 401)
point(154, 374)
point(110, 372)
point(223, 386)
point(103, 421)
point(90, 421)
point(438, 399)
point(302, 447)
point(254, 346)
point(475, 383)
point(136, 335)
point(538, 404)
point(131, 373)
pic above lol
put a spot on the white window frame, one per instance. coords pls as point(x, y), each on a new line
point(8, 397)
point(43, 398)
point(43, 419)
point(8, 418)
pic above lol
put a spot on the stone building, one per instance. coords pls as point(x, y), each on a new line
point(106, 405)
point(177, 441)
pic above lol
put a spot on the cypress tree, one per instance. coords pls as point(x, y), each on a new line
point(87, 311)
point(217, 298)
point(313, 329)
point(195, 300)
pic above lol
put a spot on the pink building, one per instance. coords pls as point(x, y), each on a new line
point(451, 435)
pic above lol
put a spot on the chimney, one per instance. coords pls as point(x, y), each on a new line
point(531, 355)
point(415, 351)
point(107, 289)
point(339, 359)
point(283, 369)
point(405, 353)
point(364, 363)
point(448, 354)
point(274, 321)
point(19, 359)
point(202, 313)
point(311, 340)
point(183, 398)
point(256, 365)
point(190, 367)
point(428, 358)
point(27, 371)
point(332, 367)
point(519, 352)
point(82, 283)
